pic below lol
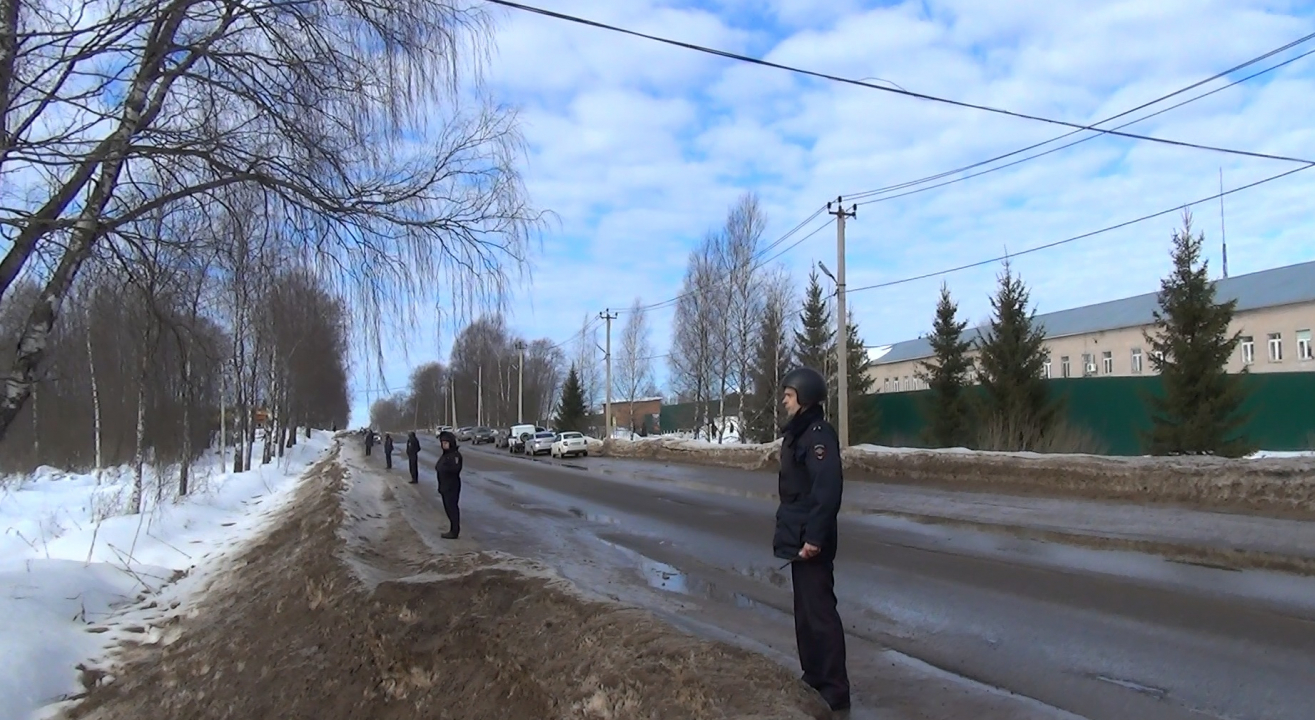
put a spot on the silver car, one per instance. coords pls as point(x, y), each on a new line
point(542, 442)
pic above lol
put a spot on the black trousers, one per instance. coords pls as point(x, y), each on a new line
point(414, 463)
point(388, 460)
point(367, 449)
point(451, 494)
point(818, 631)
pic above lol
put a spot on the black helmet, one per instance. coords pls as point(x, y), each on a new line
point(808, 384)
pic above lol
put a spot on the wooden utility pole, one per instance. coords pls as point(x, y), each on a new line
point(842, 321)
point(607, 356)
point(479, 401)
point(520, 385)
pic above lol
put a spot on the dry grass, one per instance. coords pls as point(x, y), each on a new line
point(1272, 486)
point(295, 633)
point(999, 435)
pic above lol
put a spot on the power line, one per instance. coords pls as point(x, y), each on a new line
point(947, 173)
point(1075, 238)
point(882, 88)
point(757, 265)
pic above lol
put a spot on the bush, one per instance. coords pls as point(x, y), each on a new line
point(998, 434)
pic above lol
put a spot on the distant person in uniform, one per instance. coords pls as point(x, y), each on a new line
point(369, 442)
point(810, 490)
point(388, 451)
point(449, 482)
point(413, 456)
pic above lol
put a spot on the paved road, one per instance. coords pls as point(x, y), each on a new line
point(942, 623)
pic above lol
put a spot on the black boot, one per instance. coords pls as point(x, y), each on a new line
point(449, 535)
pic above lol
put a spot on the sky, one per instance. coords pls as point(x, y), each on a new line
point(640, 148)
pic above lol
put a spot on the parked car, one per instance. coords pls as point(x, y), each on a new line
point(463, 434)
point(481, 435)
point(443, 429)
point(518, 436)
point(541, 443)
point(501, 437)
point(570, 444)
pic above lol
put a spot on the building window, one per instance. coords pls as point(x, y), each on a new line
point(1045, 370)
point(1275, 347)
point(1248, 350)
point(1063, 366)
point(1107, 359)
point(1088, 364)
point(1136, 361)
point(1303, 345)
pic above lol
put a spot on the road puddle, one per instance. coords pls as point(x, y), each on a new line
point(593, 517)
point(670, 578)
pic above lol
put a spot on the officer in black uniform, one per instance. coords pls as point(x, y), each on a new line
point(413, 456)
point(448, 468)
point(810, 490)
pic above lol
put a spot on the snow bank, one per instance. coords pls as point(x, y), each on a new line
point(1282, 482)
point(77, 568)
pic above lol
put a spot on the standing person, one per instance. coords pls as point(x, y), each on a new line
point(388, 451)
point(449, 482)
point(369, 441)
point(810, 488)
point(413, 456)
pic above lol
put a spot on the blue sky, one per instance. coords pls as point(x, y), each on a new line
point(640, 148)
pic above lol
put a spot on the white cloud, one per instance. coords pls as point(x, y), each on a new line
point(640, 147)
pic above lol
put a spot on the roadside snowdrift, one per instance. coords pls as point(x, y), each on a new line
point(1283, 483)
point(81, 574)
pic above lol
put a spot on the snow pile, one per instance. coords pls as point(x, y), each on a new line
point(77, 568)
point(1265, 481)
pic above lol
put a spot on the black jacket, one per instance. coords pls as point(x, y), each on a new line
point(412, 446)
point(449, 469)
point(388, 444)
point(811, 484)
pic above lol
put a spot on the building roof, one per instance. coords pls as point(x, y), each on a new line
point(1275, 287)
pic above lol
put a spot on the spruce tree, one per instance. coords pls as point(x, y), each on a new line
point(864, 417)
point(571, 414)
point(815, 338)
point(1017, 401)
point(772, 362)
point(1200, 411)
point(946, 374)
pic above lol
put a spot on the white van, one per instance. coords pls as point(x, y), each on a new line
point(518, 436)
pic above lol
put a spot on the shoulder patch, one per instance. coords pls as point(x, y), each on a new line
point(819, 451)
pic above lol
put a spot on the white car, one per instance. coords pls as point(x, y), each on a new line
point(542, 442)
point(570, 444)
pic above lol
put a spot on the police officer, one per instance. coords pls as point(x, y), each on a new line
point(448, 468)
point(810, 489)
point(413, 456)
point(388, 450)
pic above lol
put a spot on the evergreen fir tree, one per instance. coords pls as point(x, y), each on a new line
point(1017, 401)
point(1200, 411)
point(773, 361)
point(572, 411)
point(946, 374)
point(814, 341)
point(864, 417)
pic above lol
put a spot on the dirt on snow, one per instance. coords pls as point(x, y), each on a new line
point(1283, 487)
point(342, 612)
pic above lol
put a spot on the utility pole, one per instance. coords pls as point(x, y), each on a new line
point(520, 385)
point(1222, 235)
point(842, 321)
point(607, 355)
point(452, 392)
point(479, 402)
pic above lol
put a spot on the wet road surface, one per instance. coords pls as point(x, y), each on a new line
point(942, 623)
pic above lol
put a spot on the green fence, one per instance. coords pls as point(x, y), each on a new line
point(1281, 408)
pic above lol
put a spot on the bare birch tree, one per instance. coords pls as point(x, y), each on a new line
point(633, 369)
point(695, 352)
point(740, 248)
point(115, 110)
